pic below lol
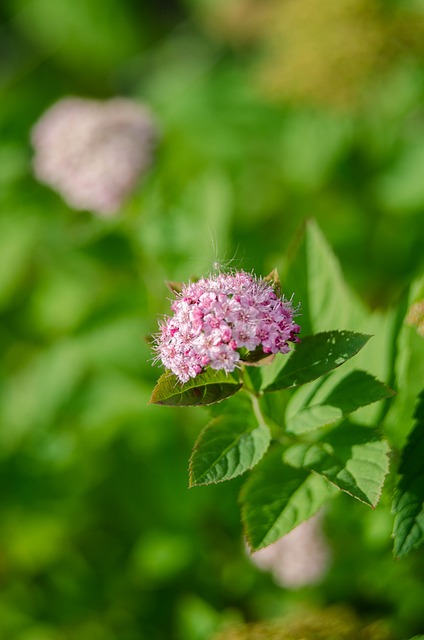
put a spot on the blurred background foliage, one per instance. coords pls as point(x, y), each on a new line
point(270, 112)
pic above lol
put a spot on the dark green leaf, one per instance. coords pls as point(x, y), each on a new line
point(276, 498)
point(408, 502)
point(314, 357)
point(256, 357)
point(206, 388)
point(226, 448)
point(357, 389)
point(352, 458)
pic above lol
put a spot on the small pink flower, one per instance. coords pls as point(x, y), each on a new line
point(216, 318)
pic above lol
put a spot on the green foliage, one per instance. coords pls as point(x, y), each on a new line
point(357, 389)
point(78, 31)
point(99, 534)
point(408, 503)
point(291, 481)
point(351, 457)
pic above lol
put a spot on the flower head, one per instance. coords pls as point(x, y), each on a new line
point(218, 320)
point(93, 152)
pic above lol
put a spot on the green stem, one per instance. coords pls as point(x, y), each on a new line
point(261, 417)
point(277, 430)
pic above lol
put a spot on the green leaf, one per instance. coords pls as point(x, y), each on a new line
point(276, 498)
point(315, 275)
point(314, 357)
point(206, 388)
point(351, 457)
point(408, 372)
point(408, 502)
point(357, 389)
point(312, 418)
point(227, 447)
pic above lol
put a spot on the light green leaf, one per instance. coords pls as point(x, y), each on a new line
point(408, 372)
point(315, 356)
point(351, 457)
point(312, 418)
point(206, 388)
point(357, 389)
point(227, 447)
point(408, 502)
point(314, 274)
point(276, 498)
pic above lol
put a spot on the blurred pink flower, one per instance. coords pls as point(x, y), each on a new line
point(93, 152)
point(298, 559)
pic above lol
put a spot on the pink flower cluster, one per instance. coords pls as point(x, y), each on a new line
point(218, 319)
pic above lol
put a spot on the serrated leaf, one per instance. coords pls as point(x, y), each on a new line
point(206, 388)
point(315, 356)
point(276, 498)
point(357, 389)
point(408, 502)
point(351, 457)
point(227, 447)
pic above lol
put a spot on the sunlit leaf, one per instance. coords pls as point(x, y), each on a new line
point(351, 457)
point(314, 274)
point(206, 388)
point(357, 389)
point(327, 302)
point(315, 356)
